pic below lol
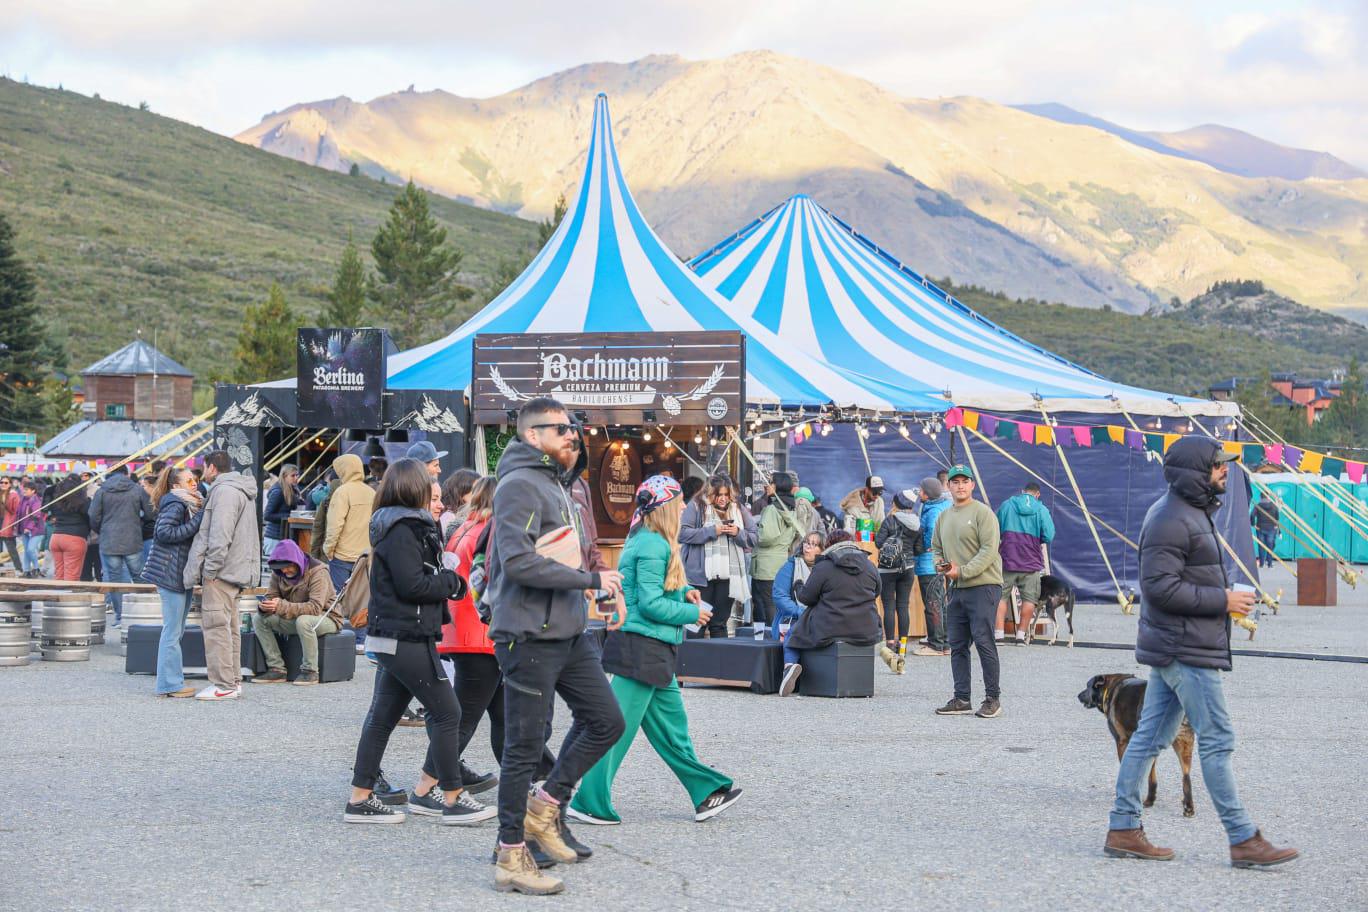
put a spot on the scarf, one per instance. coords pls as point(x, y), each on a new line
point(723, 558)
point(192, 504)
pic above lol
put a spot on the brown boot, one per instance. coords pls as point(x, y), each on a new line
point(515, 870)
point(542, 826)
point(1257, 852)
point(1134, 844)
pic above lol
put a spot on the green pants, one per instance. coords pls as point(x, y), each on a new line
point(308, 627)
point(659, 711)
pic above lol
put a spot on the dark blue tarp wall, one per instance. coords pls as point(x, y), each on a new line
point(1119, 485)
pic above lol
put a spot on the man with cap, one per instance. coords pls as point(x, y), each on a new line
point(429, 455)
point(864, 504)
point(1186, 603)
point(966, 547)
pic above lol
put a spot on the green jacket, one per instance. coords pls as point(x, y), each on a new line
point(651, 611)
point(779, 532)
point(969, 536)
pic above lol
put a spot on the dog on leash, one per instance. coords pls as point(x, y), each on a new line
point(1119, 697)
point(1055, 594)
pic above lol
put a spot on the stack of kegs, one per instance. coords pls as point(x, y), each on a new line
point(66, 631)
point(14, 633)
point(97, 619)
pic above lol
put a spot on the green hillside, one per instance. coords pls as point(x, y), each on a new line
point(1183, 350)
point(134, 221)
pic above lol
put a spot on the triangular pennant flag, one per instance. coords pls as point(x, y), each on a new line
point(954, 417)
point(971, 420)
point(1252, 455)
point(1027, 430)
point(1084, 436)
point(1170, 440)
point(1274, 453)
point(1008, 430)
point(1044, 435)
point(1332, 468)
point(1356, 471)
point(1121, 435)
point(1101, 436)
point(1155, 443)
point(988, 425)
point(1134, 439)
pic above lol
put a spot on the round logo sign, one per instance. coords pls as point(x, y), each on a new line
point(717, 408)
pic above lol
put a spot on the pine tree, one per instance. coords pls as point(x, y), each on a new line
point(266, 342)
point(414, 288)
point(547, 228)
point(347, 299)
point(1345, 422)
point(25, 349)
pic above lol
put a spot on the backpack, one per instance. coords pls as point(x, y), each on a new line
point(891, 552)
point(352, 604)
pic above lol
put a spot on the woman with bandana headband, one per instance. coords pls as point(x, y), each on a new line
point(641, 658)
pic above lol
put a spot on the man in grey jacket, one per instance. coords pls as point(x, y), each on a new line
point(537, 596)
point(116, 514)
point(225, 556)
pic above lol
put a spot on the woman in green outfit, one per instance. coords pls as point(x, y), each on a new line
point(641, 658)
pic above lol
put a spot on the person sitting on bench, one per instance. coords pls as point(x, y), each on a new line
point(296, 603)
point(841, 594)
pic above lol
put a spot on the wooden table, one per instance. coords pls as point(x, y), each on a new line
point(301, 531)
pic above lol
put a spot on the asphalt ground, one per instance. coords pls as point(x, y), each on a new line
point(122, 801)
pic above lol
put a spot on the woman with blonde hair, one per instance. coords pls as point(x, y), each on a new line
point(641, 658)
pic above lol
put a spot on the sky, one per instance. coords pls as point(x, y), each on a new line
point(1292, 72)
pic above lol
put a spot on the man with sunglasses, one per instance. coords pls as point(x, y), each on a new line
point(536, 584)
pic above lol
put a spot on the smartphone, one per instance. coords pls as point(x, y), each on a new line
point(597, 611)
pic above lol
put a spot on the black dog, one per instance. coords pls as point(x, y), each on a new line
point(1056, 594)
point(1119, 697)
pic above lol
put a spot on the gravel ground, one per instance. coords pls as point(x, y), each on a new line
point(127, 802)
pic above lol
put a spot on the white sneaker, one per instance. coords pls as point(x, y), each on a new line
point(589, 818)
point(213, 693)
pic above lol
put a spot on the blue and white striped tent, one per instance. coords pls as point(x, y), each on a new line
point(606, 270)
point(816, 283)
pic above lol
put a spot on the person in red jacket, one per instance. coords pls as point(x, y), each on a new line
point(465, 642)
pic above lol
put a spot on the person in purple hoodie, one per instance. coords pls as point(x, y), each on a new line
point(297, 602)
point(1026, 527)
point(31, 527)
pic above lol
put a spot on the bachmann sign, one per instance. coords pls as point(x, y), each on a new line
point(688, 378)
point(341, 379)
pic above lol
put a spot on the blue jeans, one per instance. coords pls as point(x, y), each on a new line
point(1269, 537)
point(1174, 690)
point(29, 544)
point(120, 568)
point(170, 672)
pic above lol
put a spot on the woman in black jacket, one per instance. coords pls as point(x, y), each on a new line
point(176, 498)
point(840, 594)
point(411, 581)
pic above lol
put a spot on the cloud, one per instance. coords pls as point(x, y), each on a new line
point(1293, 72)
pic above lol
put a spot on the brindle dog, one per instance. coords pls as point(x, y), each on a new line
point(1119, 697)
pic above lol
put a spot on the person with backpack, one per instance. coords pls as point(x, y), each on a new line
point(900, 542)
point(779, 533)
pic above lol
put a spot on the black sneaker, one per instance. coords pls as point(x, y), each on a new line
point(716, 803)
point(956, 707)
point(372, 810)
point(305, 678)
point(389, 794)
point(467, 811)
point(581, 850)
point(541, 858)
point(990, 709)
point(272, 676)
point(433, 804)
point(414, 718)
point(474, 782)
point(790, 679)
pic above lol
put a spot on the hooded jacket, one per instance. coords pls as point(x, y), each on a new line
point(409, 585)
point(853, 506)
point(779, 530)
point(533, 597)
point(310, 592)
point(907, 524)
point(1026, 524)
point(227, 546)
point(840, 595)
point(320, 522)
point(349, 512)
point(466, 632)
point(1182, 578)
point(930, 512)
point(117, 513)
point(177, 524)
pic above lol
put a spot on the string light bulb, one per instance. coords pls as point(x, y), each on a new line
point(712, 441)
point(698, 437)
point(646, 436)
point(902, 429)
point(593, 432)
point(669, 444)
point(883, 428)
point(626, 445)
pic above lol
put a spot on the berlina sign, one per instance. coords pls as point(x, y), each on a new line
point(341, 377)
point(685, 377)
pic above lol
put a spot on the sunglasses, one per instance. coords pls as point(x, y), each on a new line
point(560, 429)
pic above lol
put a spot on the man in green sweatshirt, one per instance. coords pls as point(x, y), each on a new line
point(965, 544)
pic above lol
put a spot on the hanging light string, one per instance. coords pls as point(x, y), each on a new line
point(1334, 483)
point(684, 450)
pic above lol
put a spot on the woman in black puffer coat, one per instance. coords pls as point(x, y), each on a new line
point(410, 583)
point(176, 498)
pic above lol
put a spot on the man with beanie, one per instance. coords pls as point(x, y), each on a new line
point(966, 547)
point(536, 585)
point(1186, 604)
point(934, 501)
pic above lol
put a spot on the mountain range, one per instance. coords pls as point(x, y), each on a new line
point(1039, 201)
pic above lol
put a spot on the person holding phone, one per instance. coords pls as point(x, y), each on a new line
point(641, 658)
point(715, 536)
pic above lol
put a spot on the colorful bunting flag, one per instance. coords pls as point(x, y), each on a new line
point(1083, 436)
point(1121, 435)
point(1170, 440)
point(1027, 432)
point(1332, 468)
point(1101, 436)
point(1274, 453)
point(988, 426)
point(1356, 471)
point(1155, 443)
point(1252, 455)
point(1044, 435)
point(1134, 439)
point(971, 420)
point(1008, 430)
point(954, 418)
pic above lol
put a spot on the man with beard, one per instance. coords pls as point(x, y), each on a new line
point(1186, 604)
point(536, 583)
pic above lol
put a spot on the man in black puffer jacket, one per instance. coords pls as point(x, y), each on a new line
point(1185, 610)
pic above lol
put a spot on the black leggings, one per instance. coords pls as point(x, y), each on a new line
point(897, 595)
point(480, 690)
point(762, 601)
point(718, 594)
point(413, 672)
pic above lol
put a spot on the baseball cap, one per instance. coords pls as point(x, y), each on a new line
point(424, 451)
point(874, 483)
point(958, 471)
point(804, 494)
point(1226, 456)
